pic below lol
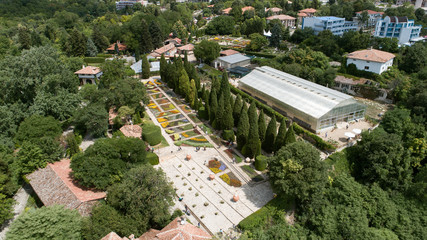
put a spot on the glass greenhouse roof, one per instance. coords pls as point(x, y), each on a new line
point(308, 97)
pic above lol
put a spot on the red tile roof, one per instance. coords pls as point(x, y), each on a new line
point(228, 52)
point(89, 70)
point(188, 47)
point(274, 9)
point(249, 8)
point(281, 17)
point(165, 48)
point(373, 55)
point(121, 47)
point(177, 40)
point(112, 236)
point(131, 131)
point(308, 10)
point(226, 11)
point(301, 14)
point(55, 185)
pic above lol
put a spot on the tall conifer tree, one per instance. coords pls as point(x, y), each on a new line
point(270, 135)
point(243, 127)
point(280, 139)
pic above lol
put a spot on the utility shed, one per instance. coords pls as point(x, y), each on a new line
point(309, 104)
point(232, 61)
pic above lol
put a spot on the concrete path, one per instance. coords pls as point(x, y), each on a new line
point(21, 198)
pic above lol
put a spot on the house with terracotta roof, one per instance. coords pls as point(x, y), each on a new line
point(176, 229)
point(168, 50)
point(244, 9)
point(175, 41)
point(89, 74)
point(374, 17)
point(371, 60)
point(188, 48)
point(54, 185)
point(309, 11)
point(120, 46)
point(274, 10)
point(286, 20)
point(227, 52)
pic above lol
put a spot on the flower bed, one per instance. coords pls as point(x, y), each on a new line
point(162, 101)
point(177, 123)
point(170, 118)
point(206, 129)
point(215, 170)
point(164, 114)
point(155, 110)
point(188, 142)
point(185, 108)
point(175, 111)
point(158, 95)
point(230, 153)
point(251, 173)
point(161, 119)
point(176, 100)
point(154, 90)
point(170, 93)
point(225, 178)
point(167, 107)
point(182, 128)
point(156, 81)
point(191, 133)
point(194, 118)
point(231, 179)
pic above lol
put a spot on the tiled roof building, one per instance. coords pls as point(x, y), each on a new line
point(55, 185)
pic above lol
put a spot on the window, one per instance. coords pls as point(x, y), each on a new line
point(366, 67)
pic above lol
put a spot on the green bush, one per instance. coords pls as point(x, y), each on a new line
point(228, 135)
point(255, 220)
point(260, 162)
point(152, 158)
point(151, 134)
point(103, 55)
point(202, 113)
point(94, 60)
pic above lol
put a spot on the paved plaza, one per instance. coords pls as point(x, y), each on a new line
point(209, 201)
point(338, 134)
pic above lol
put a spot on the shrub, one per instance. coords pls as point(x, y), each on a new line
point(94, 60)
point(203, 114)
point(151, 134)
point(260, 162)
point(228, 135)
point(152, 158)
point(177, 213)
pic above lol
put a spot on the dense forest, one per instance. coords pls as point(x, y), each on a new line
point(374, 190)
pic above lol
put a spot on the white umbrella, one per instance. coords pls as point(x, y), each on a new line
point(357, 131)
point(349, 134)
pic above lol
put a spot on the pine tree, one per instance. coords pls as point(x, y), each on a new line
point(145, 43)
point(192, 96)
point(184, 84)
point(91, 50)
point(156, 34)
point(219, 119)
point(202, 92)
point(163, 68)
point(213, 106)
point(78, 42)
point(290, 136)
point(180, 31)
point(276, 35)
point(243, 127)
point(145, 67)
point(237, 108)
point(101, 41)
point(280, 138)
point(228, 122)
point(261, 126)
point(270, 135)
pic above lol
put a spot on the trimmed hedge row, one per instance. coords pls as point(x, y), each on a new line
point(313, 138)
point(151, 134)
point(94, 59)
point(152, 158)
point(267, 109)
point(260, 162)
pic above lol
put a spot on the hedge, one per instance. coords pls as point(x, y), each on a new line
point(152, 158)
point(313, 138)
point(151, 134)
point(94, 59)
point(228, 135)
point(103, 55)
point(260, 162)
point(267, 109)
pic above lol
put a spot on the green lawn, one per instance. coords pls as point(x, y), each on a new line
point(260, 218)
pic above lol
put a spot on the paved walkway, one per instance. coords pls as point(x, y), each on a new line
point(209, 200)
point(21, 198)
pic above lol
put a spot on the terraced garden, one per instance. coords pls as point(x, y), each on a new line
point(194, 118)
point(161, 101)
point(167, 107)
point(174, 124)
point(179, 129)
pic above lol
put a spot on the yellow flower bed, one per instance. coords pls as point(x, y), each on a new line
point(169, 131)
point(199, 139)
point(174, 111)
point(215, 170)
point(151, 104)
point(161, 120)
point(161, 114)
point(185, 135)
point(165, 124)
point(225, 178)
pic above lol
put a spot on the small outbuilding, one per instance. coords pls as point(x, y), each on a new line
point(89, 75)
point(232, 61)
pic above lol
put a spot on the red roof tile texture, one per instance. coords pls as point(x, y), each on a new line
point(370, 12)
point(373, 55)
point(308, 10)
point(281, 17)
point(89, 70)
point(228, 52)
point(121, 47)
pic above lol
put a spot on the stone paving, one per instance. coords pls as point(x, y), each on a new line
point(209, 200)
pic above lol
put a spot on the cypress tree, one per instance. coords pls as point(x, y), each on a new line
point(156, 34)
point(290, 136)
point(213, 106)
point(196, 104)
point(137, 55)
point(270, 135)
point(145, 67)
point(243, 128)
point(261, 126)
point(280, 138)
point(237, 108)
point(192, 96)
point(253, 145)
point(225, 87)
point(163, 68)
point(219, 119)
point(184, 84)
point(215, 85)
point(201, 93)
point(228, 121)
point(91, 50)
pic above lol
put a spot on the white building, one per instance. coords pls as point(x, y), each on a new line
point(129, 3)
point(338, 26)
point(89, 75)
point(374, 17)
point(232, 61)
point(397, 27)
point(371, 60)
point(286, 20)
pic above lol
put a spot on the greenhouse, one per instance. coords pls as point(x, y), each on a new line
point(309, 104)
